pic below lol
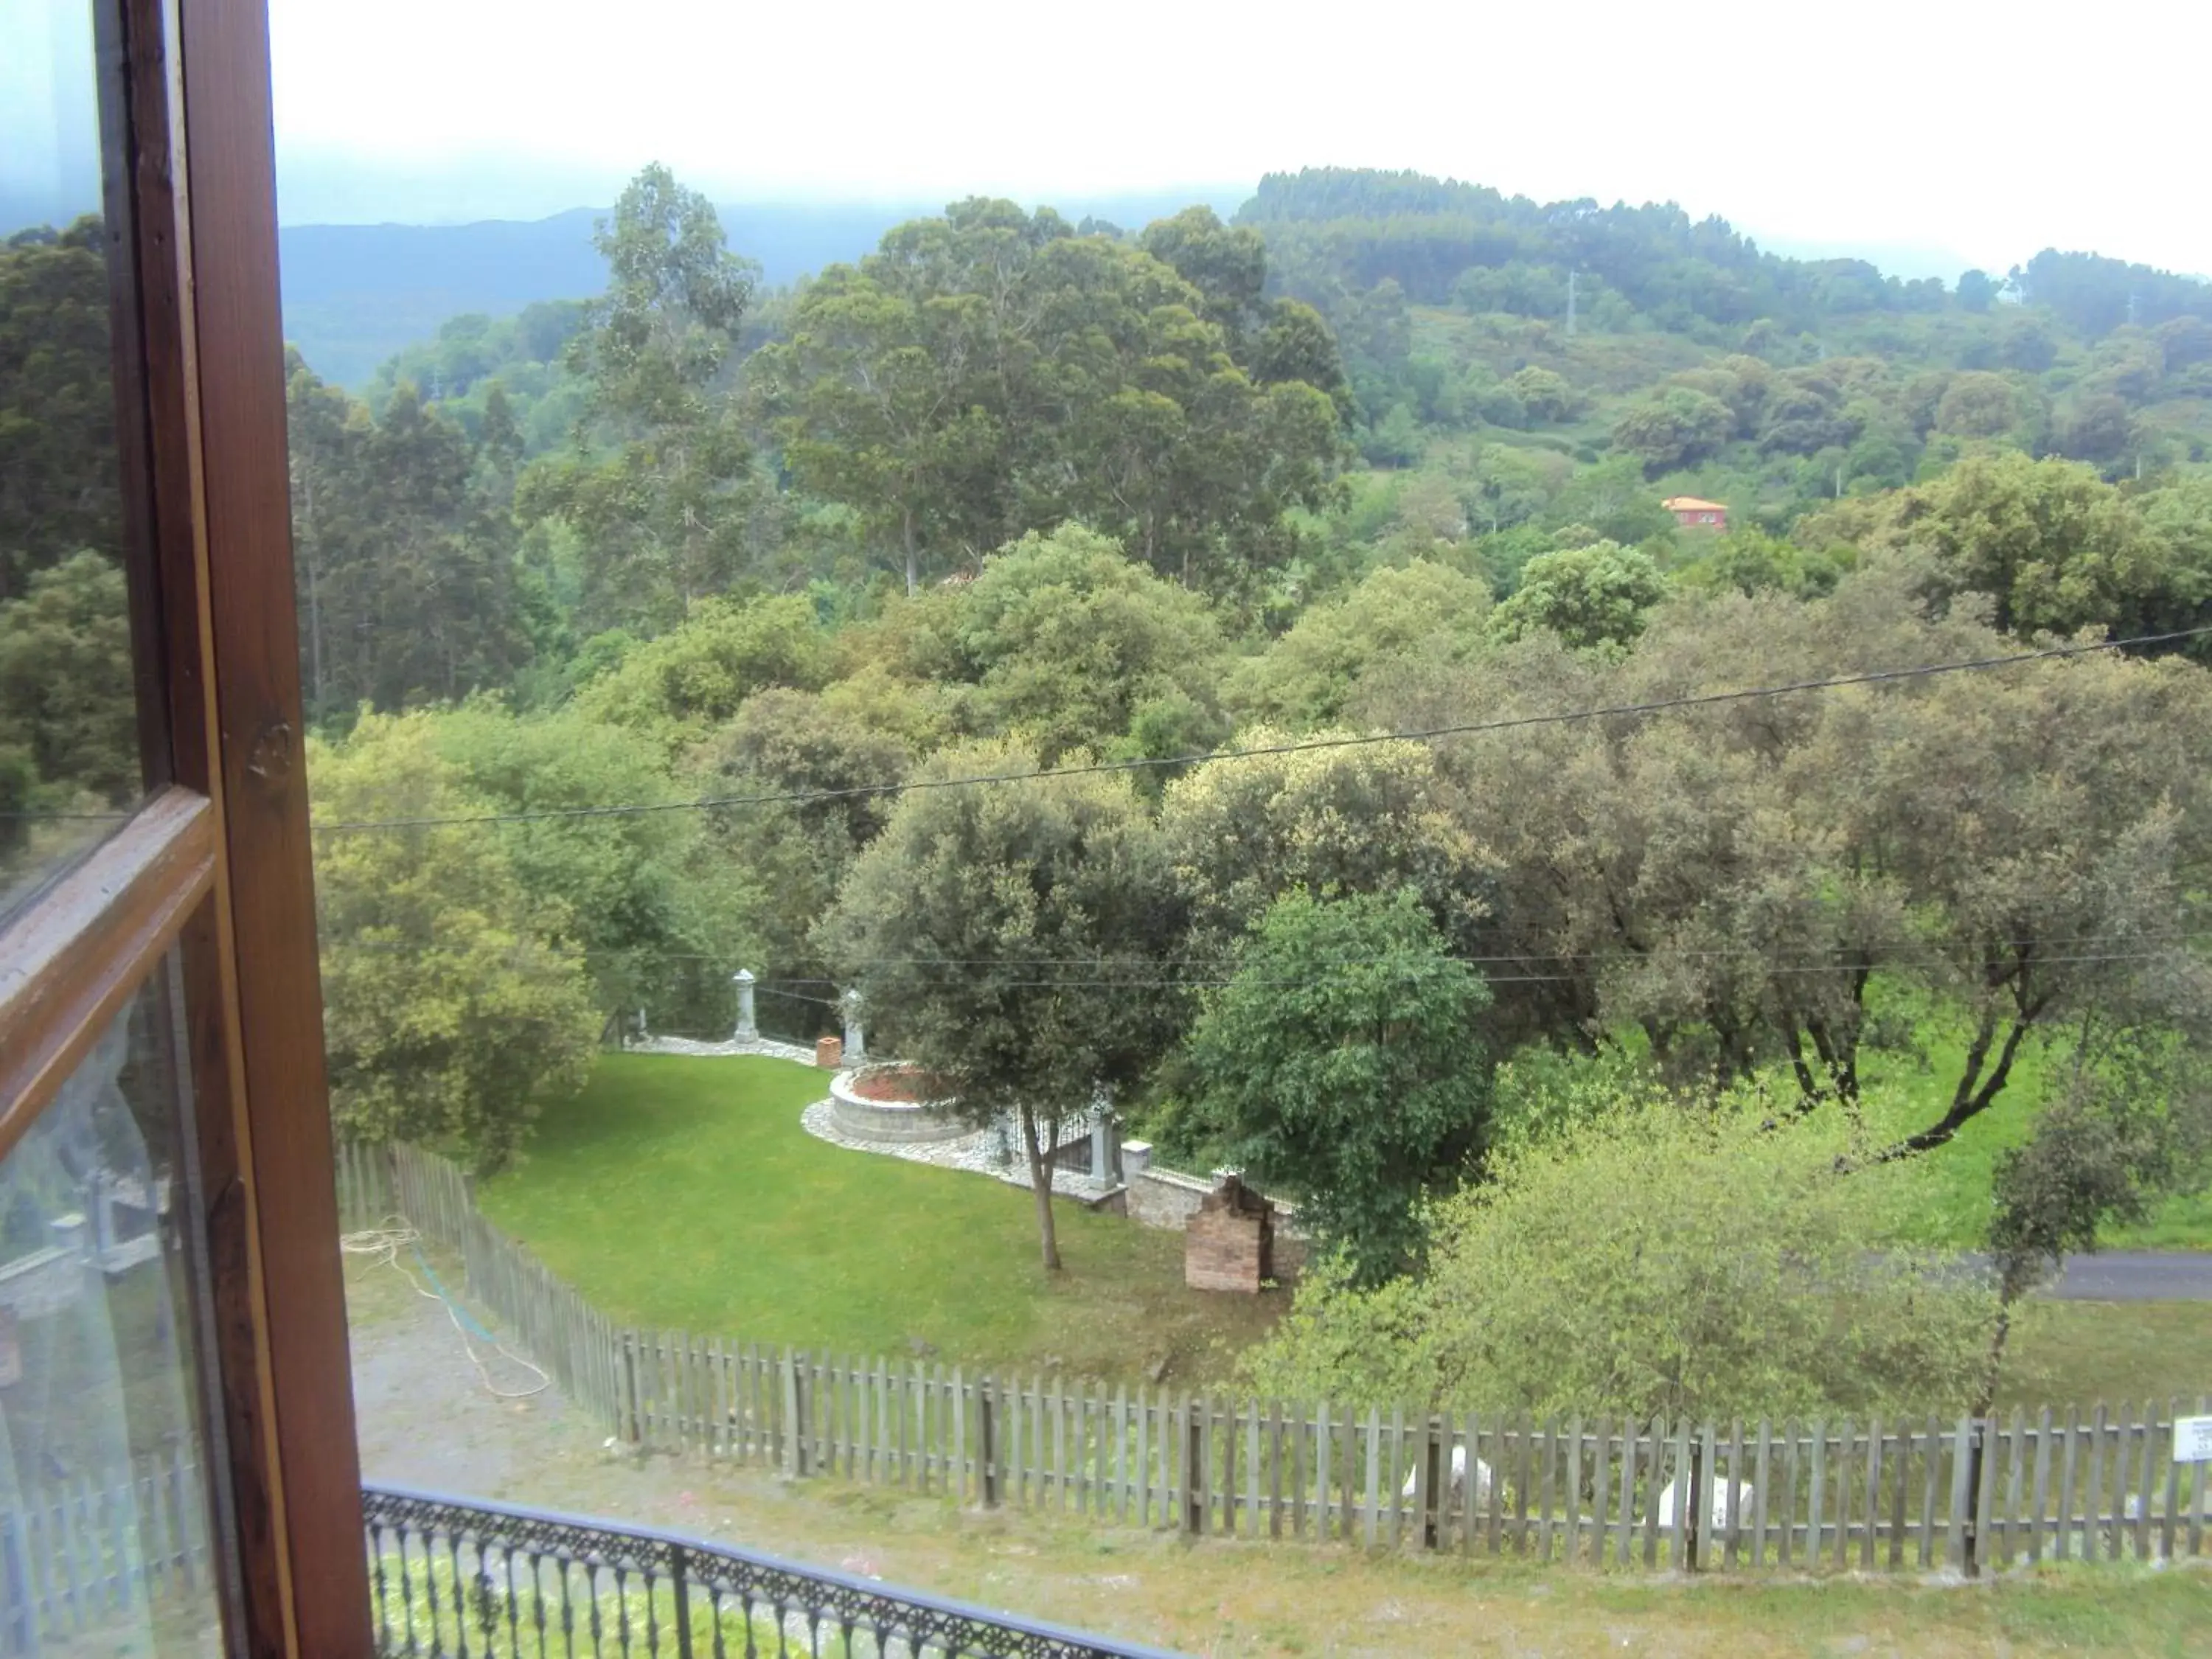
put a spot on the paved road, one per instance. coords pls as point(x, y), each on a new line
point(2136, 1276)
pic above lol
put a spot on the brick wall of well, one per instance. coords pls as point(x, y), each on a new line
point(1225, 1251)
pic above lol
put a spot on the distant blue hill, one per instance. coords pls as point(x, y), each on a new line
point(355, 295)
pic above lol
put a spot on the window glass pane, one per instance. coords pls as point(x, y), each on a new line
point(68, 754)
point(105, 1541)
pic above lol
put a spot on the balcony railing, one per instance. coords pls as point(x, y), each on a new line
point(460, 1578)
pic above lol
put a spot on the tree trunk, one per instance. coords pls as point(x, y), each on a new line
point(1808, 1088)
point(912, 564)
point(1839, 1052)
point(2016, 1279)
point(1969, 1101)
point(1041, 1185)
point(1987, 1396)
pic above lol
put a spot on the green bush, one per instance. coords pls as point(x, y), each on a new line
point(1653, 1257)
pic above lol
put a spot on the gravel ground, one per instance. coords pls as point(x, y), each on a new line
point(972, 1152)
point(425, 1420)
point(768, 1046)
point(410, 1366)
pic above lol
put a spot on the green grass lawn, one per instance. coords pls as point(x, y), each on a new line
point(2069, 1353)
point(683, 1193)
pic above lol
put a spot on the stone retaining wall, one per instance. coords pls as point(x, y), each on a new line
point(1168, 1199)
point(1165, 1198)
point(898, 1121)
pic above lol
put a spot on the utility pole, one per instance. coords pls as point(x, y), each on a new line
point(1571, 302)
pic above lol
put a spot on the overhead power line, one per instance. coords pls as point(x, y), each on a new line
point(1303, 745)
point(1793, 969)
point(1146, 975)
point(1657, 952)
point(1613, 957)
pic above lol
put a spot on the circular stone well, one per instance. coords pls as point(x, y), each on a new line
point(879, 1103)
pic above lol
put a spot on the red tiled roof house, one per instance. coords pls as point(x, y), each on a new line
point(1693, 513)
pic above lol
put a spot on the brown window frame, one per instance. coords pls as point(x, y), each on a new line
point(216, 864)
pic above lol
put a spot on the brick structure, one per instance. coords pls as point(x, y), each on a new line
point(1229, 1244)
point(829, 1053)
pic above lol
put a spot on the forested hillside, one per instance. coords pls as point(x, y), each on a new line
point(1381, 454)
point(1717, 370)
point(1361, 370)
point(1477, 418)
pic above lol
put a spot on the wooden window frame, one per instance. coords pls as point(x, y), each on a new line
point(215, 866)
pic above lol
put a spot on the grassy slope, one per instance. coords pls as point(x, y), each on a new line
point(1951, 1186)
point(683, 1193)
point(2083, 1352)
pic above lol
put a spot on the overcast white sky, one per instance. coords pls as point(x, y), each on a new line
point(1974, 131)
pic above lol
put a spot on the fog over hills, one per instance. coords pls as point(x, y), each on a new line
point(355, 293)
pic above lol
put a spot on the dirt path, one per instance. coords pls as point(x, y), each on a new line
point(425, 1420)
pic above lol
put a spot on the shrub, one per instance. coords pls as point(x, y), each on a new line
point(1654, 1258)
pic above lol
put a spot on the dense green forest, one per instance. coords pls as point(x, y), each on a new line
point(993, 372)
point(1382, 453)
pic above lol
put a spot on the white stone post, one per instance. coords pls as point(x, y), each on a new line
point(103, 1214)
point(747, 1028)
point(856, 1040)
point(1101, 1135)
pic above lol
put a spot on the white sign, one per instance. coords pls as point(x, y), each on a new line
point(2192, 1439)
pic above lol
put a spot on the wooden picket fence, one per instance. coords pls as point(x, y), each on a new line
point(1960, 1495)
point(77, 1555)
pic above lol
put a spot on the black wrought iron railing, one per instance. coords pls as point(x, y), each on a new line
point(461, 1578)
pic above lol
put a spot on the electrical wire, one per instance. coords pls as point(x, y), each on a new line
point(1592, 962)
point(1297, 746)
point(1508, 978)
point(1664, 950)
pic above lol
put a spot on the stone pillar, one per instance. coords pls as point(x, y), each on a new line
point(1102, 1136)
point(1136, 1157)
point(747, 1028)
point(856, 1042)
point(70, 1233)
point(103, 1214)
